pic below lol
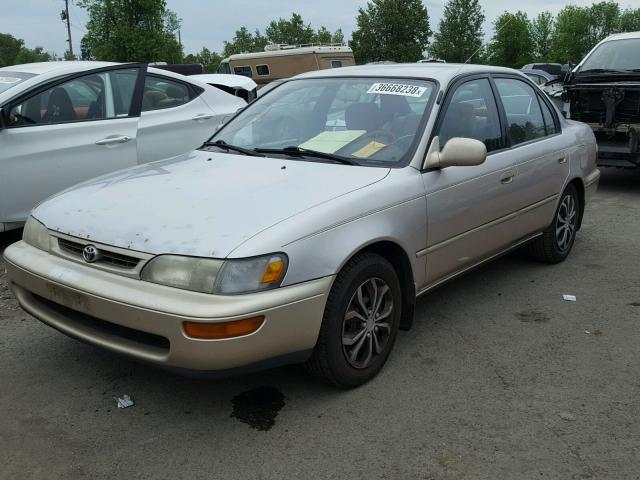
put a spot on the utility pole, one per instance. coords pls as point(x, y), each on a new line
point(64, 15)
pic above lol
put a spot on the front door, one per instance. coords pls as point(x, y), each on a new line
point(66, 133)
point(469, 209)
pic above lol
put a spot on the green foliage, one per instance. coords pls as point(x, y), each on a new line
point(396, 30)
point(603, 20)
point(629, 20)
point(13, 52)
point(541, 32)
point(511, 45)
point(571, 40)
point(131, 31)
point(292, 31)
point(459, 34)
point(210, 60)
point(245, 42)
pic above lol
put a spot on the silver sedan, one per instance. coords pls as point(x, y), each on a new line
point(306, 228)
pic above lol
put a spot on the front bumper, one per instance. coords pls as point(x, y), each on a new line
point(144, 320)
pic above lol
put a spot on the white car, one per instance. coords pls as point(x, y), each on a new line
point(62, 123)
point(237, 85)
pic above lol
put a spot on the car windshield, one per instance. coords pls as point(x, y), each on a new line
point(369, 121)
point(9, 79)
point(614, 55)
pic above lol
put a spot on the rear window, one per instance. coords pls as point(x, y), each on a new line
point(9, 79)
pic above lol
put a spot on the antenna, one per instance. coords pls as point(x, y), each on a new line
point(482, 46)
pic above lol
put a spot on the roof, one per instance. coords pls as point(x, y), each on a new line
point(63, 67)
point(443, 72)
point(290, 51)
point(622, 36)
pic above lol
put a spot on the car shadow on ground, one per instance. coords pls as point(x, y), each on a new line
point(620, 180)
point(7, 238)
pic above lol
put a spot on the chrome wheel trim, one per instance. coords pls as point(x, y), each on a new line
point(366, 326)
point(566, 223)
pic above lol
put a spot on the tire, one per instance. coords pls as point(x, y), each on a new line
point(345, 321)
point(552, 246)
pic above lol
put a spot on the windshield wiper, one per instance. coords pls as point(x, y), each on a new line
point(304, 152)
point(226, 146)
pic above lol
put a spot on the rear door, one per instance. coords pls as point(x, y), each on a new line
point(541, 152)
point(66, 132)
point(175, 119)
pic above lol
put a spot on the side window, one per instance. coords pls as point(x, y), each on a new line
point(549, 119)
point(245, 70)
point(162, 92)
point(472, 113)
point(262, 70)
point(96, 96)
point(523, 112)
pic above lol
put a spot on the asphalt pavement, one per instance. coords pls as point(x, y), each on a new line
point(500, 378)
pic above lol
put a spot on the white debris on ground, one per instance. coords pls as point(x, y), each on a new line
point(567, 416)
point(124, 402)
point(569, 298)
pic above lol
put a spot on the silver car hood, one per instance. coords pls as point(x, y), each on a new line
point(206, 205)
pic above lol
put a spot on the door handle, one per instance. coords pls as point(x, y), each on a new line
point(113, 140)
point(562, 159)
point(202, 116)
point(507, 177)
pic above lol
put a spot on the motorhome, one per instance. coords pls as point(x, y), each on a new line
point(284, 61)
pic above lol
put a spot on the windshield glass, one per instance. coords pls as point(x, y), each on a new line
point(614, 55)
point(372, 121)
point(9, 78)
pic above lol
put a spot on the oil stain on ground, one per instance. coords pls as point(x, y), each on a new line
point(532, 316)
point(259, 407)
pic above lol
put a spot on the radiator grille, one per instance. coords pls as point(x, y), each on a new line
point(106, 257)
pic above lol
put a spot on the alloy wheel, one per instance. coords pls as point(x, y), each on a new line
point(366, 327)
point(566, 223)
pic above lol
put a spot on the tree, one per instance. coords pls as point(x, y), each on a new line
point(511, 45)
point(570, 40)
point(459, 34)
point(131, 31)
point(396, 30)
point(9, 49)
point(292, 31)
point(27, 55)
point(245, 42)
point(209, 60)
point(604, 20)
point(629, 20)
point(541, 32)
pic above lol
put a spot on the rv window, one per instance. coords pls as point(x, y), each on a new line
point(262, 69)
point(336, 63)
point(224, 68)
point(246, 71)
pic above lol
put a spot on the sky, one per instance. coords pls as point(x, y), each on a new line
point(207, 23)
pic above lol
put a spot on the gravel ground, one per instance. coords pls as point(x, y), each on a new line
point(499, 379)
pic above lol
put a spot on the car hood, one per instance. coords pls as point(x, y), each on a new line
point(205, 205)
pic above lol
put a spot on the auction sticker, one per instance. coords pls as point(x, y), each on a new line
point(397, 89)
point(9, 80)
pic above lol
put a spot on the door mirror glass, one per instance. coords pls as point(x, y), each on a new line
point(457, 152)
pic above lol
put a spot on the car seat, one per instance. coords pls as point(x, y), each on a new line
point(59, 107)
point(362, 116)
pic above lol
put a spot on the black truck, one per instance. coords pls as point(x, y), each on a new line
point(604, 92)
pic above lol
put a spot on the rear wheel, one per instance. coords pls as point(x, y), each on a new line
point(557, 240)
point(360, 323)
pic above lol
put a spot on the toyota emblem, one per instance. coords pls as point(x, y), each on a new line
point(90, 253)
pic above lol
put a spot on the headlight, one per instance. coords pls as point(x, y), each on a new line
point(209, 275)
point(36, 234)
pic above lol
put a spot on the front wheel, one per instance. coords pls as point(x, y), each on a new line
point(554, 245)
point(360, 323)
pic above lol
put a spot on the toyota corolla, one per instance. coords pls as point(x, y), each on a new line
point(305, 229)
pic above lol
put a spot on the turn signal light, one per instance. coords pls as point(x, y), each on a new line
point(220, 330)
point(273, 273)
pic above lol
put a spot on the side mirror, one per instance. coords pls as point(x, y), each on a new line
point(457, 152)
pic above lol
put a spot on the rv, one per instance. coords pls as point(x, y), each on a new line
point(284, 61)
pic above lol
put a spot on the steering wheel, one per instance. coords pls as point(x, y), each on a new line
point(374, 135)
point(19, 117)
